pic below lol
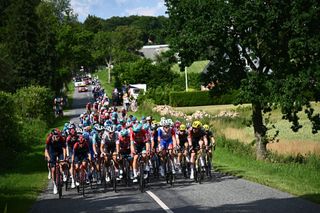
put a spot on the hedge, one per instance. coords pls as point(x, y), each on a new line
point(199, 98)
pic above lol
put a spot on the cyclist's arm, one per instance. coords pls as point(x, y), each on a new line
point(94, 144)
point(205, 139)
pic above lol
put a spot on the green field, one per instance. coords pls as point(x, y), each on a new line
point(196, 67)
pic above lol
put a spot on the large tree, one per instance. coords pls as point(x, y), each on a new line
point(267, 49)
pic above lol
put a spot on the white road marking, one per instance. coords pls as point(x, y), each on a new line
point(164, 206)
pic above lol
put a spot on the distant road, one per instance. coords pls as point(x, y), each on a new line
point(221, 194)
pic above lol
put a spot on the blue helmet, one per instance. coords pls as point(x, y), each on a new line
point(137, 128)
point(119, 127)
point(124, 132)
point(86, 135)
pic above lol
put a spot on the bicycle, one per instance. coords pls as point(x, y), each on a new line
point(200, 165)
point(82, 180)
point(168, 169)
point(142, 182)
point(126, 159)
point(58, 177)
point(155, 162)
point(110, 171)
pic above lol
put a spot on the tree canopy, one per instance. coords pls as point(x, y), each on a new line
point(267, 49)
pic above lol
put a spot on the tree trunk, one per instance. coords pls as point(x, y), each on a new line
point(259, 131)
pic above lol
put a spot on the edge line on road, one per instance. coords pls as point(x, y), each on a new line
point(163, 206)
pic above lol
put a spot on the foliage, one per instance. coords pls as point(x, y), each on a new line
point(200, 98)
point(144, 72)
point(268, 50)
point(9, 139)
point(34, 102)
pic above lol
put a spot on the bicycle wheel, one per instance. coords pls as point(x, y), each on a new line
point(127, 171)
point(141, 179)
point(114, 178)
point(58, 180)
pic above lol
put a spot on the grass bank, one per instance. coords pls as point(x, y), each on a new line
point(103, 77)
point(27, 177)
point(302, 180)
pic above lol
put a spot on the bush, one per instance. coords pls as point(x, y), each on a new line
point(32, 131)
point(199, 98)
point(34, 102)
point(236, 147)
point(9, 125)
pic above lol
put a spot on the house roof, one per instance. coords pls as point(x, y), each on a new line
point(151, 51)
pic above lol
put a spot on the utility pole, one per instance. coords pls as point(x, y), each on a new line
point(186, 77)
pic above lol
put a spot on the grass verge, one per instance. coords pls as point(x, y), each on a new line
point(302, 180)
point(26, 177)
point(103, 77)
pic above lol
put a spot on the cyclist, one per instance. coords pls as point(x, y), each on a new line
point(182, 143)
point(123, 146)
point(140, 143)
point(81, 155)
point(108, 147)
point(197, 139)
point(55, 148)
point(96, 136)
point(167, 140)
point(70, 142)
point(211, 141)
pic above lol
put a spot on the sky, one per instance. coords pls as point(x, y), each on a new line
point(108, 8)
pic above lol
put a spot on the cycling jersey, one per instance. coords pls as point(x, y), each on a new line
point(80, 153)
point(124, 143)
point(196, 136)
point(55, 149)
point(166, 137)
point(71, 141)
point(183, 137)
point(109, 142)
point(140, 138)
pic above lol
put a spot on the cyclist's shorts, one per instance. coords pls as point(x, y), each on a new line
point(139, 148)
point(166, 144)
point(80, 159)
point(125, 152)
point(53, 158)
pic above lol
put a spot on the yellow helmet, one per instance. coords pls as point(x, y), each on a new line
point(206, 127)
point(183, 127)
point(196, 124)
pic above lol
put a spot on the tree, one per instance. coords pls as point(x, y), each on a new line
point(21, 40)
point(267, 49)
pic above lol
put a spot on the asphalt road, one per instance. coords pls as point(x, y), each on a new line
point(221, 194)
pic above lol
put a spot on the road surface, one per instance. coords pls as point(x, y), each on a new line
point(221, 194)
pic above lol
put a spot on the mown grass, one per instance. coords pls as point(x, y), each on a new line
point(103, 77)
point(25, 178)
point(195, 67)
point(70, 91)
point(299, 179)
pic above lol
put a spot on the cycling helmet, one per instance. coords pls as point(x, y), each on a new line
point(111, 128)
point(134, 118)
point(137, 128)
point(79, 130)
point(98, 127)
point(124, 132)
point(206, 127)
point(170, 122)
point(183, 127)
point(148, 118)
point(121, 121)
point(146, 126)
point(55, 132)
point(86, 135)
point(177, 124)
point(119, 127)
point(143, 118)
point(196, 124)
point(107, 123)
